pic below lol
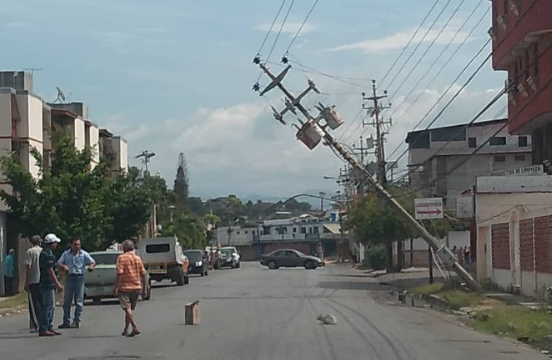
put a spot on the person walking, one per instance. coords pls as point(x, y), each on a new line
point(74, 262)
point(48, 285)
point(9, 273)
point(130, 283)
point(32, 282)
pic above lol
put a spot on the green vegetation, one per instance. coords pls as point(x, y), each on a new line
point(375, 257)
point(519, 322)
point(19, 300)
point(455, 299)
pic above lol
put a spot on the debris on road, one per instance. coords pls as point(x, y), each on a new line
point(328, 319)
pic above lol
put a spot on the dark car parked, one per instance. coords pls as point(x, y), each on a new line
point(290, 258)
point(199, 262)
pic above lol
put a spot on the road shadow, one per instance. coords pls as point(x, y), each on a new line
point(352, 285)
point(105, 302)
point(350, 276)
point(18, 335)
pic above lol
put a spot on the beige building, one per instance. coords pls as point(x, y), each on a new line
point(27, 122)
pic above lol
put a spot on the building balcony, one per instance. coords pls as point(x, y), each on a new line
point(516, 27)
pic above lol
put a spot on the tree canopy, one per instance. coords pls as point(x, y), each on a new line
point(71, 200)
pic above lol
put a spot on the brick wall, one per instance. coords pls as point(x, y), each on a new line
point(526, 245)
point(500, 239)
point(543, 236)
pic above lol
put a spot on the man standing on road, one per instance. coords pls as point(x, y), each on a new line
point(48, 285)
point(130, 283)
point(9, 272)
point(74, 262)
point(32, 282)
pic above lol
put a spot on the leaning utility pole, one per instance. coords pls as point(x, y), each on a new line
point(311, 134)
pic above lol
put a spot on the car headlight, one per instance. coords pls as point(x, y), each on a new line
point(199, 263)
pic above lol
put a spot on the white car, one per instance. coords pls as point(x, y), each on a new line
point(99, 283)
point(230, 257)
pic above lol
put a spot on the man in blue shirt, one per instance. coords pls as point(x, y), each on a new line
point(74, 262)
point(48, 285)
point(9, 272)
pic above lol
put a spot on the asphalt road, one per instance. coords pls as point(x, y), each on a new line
point(255, 314)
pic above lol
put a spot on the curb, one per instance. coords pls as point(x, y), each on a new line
point(10, 311)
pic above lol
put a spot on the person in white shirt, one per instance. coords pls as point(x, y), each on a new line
point(32, 282)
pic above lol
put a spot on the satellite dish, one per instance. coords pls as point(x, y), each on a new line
point(60, 95)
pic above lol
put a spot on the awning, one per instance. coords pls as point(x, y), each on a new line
point(332, 229)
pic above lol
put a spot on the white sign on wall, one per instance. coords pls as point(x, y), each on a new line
point(534, 170)
point(428, 208)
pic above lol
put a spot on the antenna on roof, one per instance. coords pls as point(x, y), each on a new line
point(60, 96)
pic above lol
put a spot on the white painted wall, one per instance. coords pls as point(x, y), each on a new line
point(239, 236)
point(502, 278)
point(94, 136)
point(456, 238)
point(79, 134)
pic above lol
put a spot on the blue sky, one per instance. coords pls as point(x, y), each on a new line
point(174, 76)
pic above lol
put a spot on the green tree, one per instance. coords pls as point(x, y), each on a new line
point(189, 229)
point(70, 199)
point(181, 183)
point(374, 222)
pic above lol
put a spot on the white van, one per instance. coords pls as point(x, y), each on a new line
point(163, 259)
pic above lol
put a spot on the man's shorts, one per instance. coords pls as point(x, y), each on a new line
point(129, 299)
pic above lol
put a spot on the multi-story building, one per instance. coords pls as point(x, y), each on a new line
point(26, 123)
point(435, 153)
point(522, 40)
point(114, 149)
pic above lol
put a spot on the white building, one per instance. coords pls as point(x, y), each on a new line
point(436, 153)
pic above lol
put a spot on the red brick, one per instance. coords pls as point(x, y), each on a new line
point(500, 241)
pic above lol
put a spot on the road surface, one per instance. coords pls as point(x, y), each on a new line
point(254, 313)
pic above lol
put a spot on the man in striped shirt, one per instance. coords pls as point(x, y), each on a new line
point(130, 283)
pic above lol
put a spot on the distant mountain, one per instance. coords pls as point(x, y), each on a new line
point(314, 202)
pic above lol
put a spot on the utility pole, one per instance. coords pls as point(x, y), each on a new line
point(145, 155)
point(322, 194)
point(375, 110)
point(312, 132)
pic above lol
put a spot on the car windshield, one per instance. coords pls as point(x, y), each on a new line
point(226, 252)
point(106, 258)
point(194, 255)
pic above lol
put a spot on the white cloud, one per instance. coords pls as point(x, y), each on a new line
point(289, 28)
point(400, 39)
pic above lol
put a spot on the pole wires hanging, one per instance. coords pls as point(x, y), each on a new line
point(284, 59)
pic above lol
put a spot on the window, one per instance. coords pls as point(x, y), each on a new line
point(519, 157)
point(158, 248)
point(451, 133)
point(294, 230)
point(303, 230)
point(418, 140)
point(315, 229)
point(497, 141)
point(246, 232)
point(472, 142)
point(500, 158)
point(237, 232)
point(522, 141)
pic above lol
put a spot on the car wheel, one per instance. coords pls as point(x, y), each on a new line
point(96, 300)
point(180, 278)
point(272, 265)
point(148, 293)
point(309, 265)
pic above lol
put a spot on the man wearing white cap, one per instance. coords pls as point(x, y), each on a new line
point(48, 285)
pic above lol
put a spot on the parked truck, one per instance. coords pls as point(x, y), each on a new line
point(164, 259)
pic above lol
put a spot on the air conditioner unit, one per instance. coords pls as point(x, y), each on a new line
point(492, 33)
point(501, 20)
point(514, 7)
point(512, 98)
point(521, 88)
point(533, 82)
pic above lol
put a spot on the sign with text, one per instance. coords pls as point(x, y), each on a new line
point(533, 170)
point(428, 208)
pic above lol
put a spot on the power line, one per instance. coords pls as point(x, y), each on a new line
point(419, 43)
point(519, 111)
point(271, 26)
point(429, 47)
point(452, 84)
point(465, 68)
point(447, 62)
point(302, 25)
point(441, 53)
point(350, 123)
point(280, 31)
point(409, 41)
